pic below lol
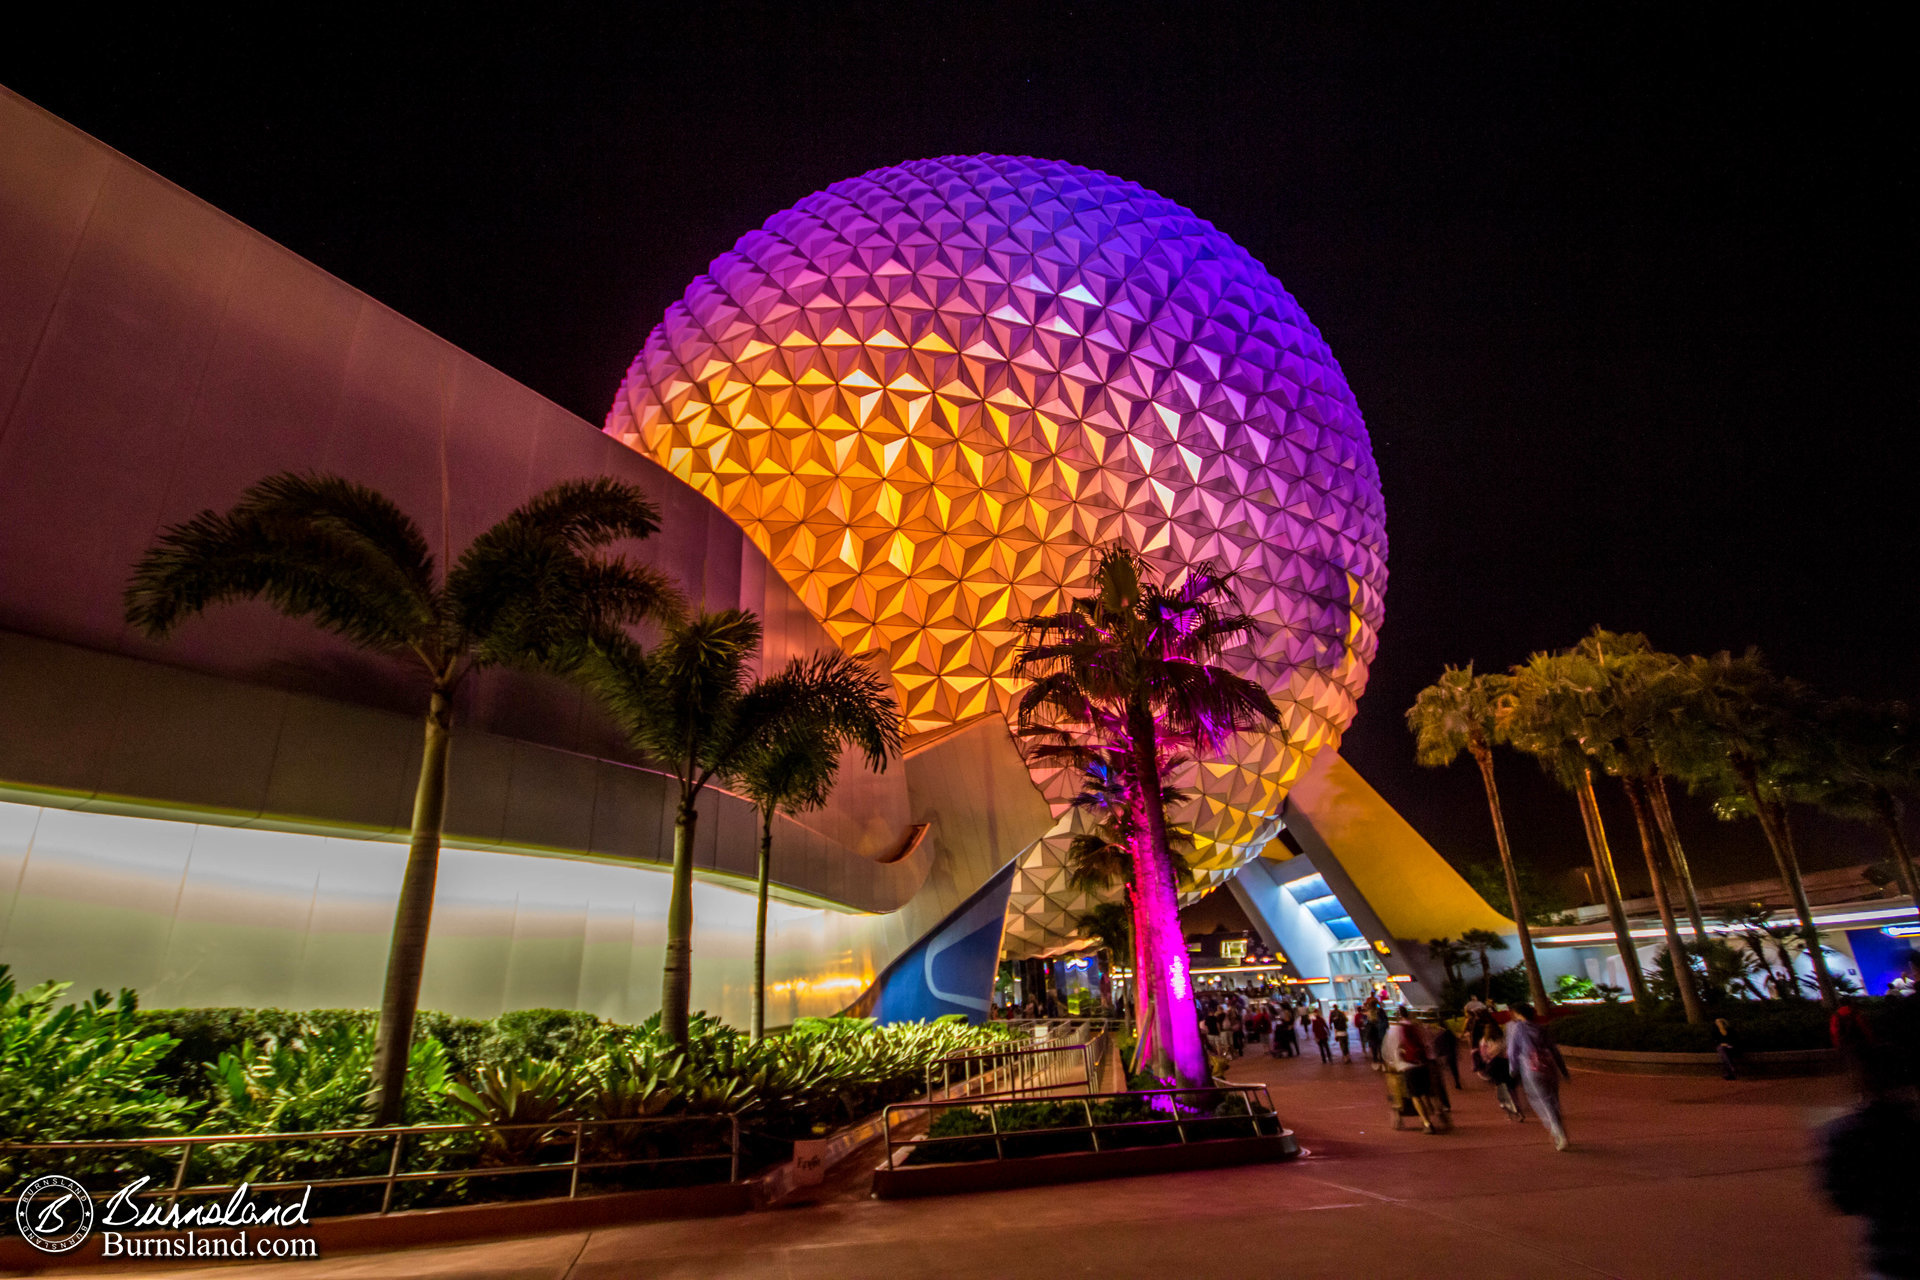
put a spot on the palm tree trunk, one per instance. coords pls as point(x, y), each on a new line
point(412, 916)
point(1676, 949)
point(676, 978)
point(1670, 833)
point(1143, 1045)
point(1536, 986)
point(1610, 890)
point(1172, 982)
point(757, 1027)
point(1778, 829)
point(1889, 815)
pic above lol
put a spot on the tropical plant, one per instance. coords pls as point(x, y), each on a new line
point(1868, 758)
point(85, 1070)
point(1459, 712)
point(315, 1079)
point(1448, 954)
point(1571, 986)
point(1753, 747)
point(1131, 667)
point(1626, 710)
point(1545, 900)
point(530, 1093)
point(680, 704)
point(532, 591)
point(1543, 714)
point(798, 722)
point(1480, 942)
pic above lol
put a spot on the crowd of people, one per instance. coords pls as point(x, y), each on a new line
point(1510, 1049)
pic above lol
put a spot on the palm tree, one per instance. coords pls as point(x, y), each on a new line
point(1131, 666)
point(1480, 942)
point(1869, 755)
point(800, 721)
point(1636, 695)
point(1763, 751)
point(1542, 714)
point(1447, 954)
point(1457, 713)
point(1101, 857)
point(532, 591)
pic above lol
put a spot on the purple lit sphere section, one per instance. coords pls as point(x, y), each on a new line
point(931, 392)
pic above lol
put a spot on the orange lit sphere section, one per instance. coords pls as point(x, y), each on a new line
point(929, 393)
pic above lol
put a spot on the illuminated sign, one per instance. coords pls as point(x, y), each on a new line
point(1233, 949)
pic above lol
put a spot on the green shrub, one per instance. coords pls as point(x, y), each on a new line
point(1758, 1026)
point(77, 1071)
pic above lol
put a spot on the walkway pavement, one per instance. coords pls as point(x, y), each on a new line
point(1667, 1180)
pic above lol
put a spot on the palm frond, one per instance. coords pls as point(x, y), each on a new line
point(316, 547)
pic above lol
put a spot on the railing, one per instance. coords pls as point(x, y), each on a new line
point(1064, 1030)
point(1007, 1071)
point(1181, 1118)
point(549, 1134)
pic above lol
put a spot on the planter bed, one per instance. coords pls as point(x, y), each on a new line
point(1078, 1166)
point(1778, 1062)
point(984, 1143)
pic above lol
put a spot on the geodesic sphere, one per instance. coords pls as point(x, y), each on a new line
point(931, 392)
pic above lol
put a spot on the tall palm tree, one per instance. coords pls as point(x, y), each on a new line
point(1448, 954)
point(534, 591)
point(1764, 751)
point(1480, 942)
point(1457, 713)
point(1542, 714)
point(1869, 755)
point(1131, 667)
point(799, 722)
point(1101, 857)
point(679, 704)
point(1635, 695)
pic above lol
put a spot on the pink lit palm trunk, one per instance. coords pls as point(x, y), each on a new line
point(1142, 1002)
point(1176, 1028)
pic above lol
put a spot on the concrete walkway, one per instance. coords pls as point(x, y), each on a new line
point(1668, 1179)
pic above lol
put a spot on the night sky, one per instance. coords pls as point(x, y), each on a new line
point(1627, 304)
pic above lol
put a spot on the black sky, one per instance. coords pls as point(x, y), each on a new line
point(1626, 296)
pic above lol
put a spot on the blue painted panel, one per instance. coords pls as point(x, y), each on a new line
point(1343, 928)
point(951, 970)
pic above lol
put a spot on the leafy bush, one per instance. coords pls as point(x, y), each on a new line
point(1758, 1026)
point(104, 1069)
point(83, 1070)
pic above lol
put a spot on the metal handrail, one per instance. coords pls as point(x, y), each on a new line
point(1176, 1118)
point(560, 1129)
point(1008, 1071)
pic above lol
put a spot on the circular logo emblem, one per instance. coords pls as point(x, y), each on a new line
point(54, 1214)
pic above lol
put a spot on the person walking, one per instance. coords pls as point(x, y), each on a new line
point(1726, 1046)
point(1237, 1029)
point(1376, 1035)
point(1536, 1061)
point(1404, 1052)
point(1446, 1050)
point(1321, 1035)
point(1338, 1023)
point(1499, 1073)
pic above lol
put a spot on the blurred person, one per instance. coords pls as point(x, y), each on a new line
point(1864, 1166)
point(1499, 1073)
point(1535, 1060)
point(1446, 1050)
point(1237, 1029)
point(1403, 1050)
point(1338, 1024)
point(1726, 1046)
point(1321, 1035)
